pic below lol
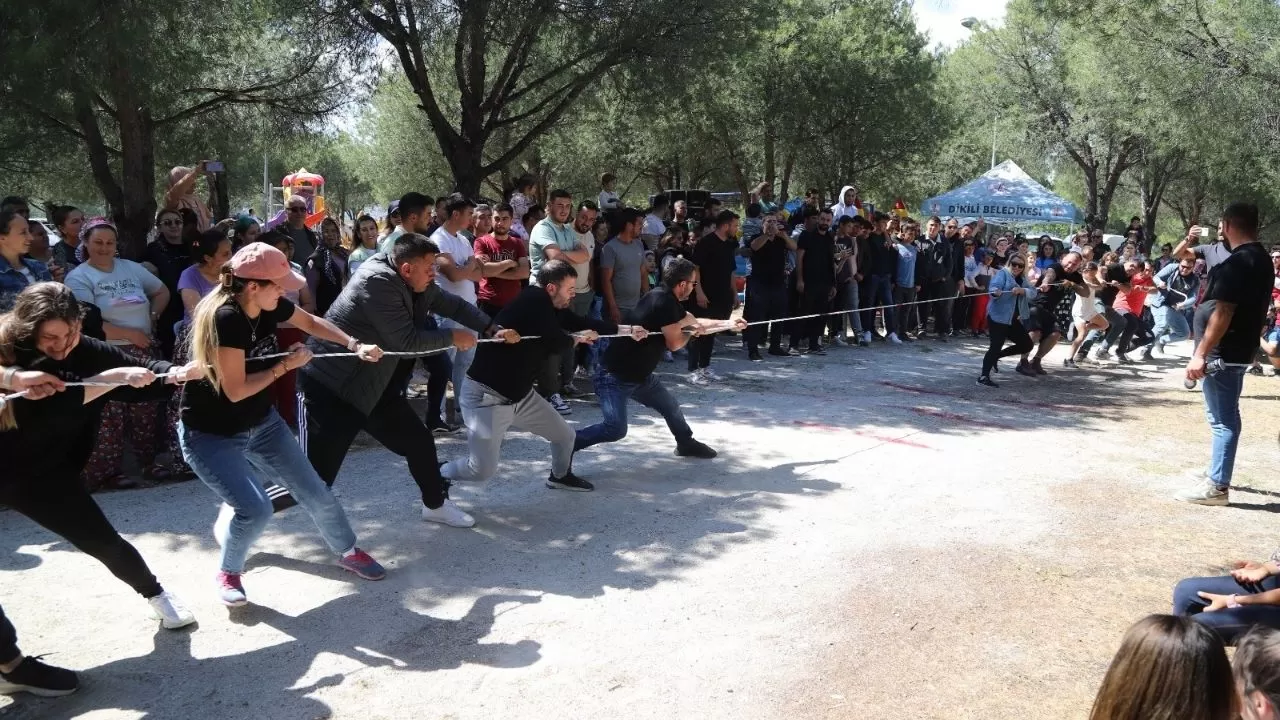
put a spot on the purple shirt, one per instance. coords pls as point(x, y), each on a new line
point(191, 279)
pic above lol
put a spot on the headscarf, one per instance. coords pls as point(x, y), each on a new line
point(93, 223)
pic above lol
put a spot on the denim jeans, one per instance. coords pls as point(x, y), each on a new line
point(614, 394)
point(846, 299)
point(880, 294)
point(1229, 623)
point(236, 467)
point(1172, 324)
point(1222, 409)
point(461, 358)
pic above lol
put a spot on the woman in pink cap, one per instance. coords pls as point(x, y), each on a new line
point(231, 434)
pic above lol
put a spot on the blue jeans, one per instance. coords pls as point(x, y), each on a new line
point(1230, 624)
point(1172, 324)
point(614, 394)
point(461, 359)
point(1222, 409)
point(236, 467)
point(881, 294)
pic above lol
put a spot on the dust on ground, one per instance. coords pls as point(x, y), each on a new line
point(879, 538)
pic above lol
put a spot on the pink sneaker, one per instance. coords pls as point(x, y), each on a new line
point(230, 591)
point(361, 564)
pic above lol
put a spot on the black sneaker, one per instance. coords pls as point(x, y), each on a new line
point(754, 357)
point(1025, 369)
point(1037, 368)
point(694, 449)
point(1123, 359)
point(35, 677)
point(779, 352)
point(986, 380)
point(816, 351)
point(1069, 363)
point(569, 482)
point(441, 427)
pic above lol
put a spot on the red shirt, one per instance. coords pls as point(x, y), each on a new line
point(488, 248)
point(1139, 286)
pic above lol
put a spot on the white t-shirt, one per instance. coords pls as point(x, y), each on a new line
point(588, 241)
point(461, 252)
point(121, 294)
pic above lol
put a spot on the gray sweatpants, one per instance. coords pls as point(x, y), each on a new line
point(488, 416)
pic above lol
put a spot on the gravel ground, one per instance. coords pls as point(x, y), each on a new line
point(879, 537)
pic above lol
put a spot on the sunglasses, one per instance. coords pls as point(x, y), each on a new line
point(1017, 266)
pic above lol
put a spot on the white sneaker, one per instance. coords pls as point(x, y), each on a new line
point(222, 525)
point(171, 613)
point(559, 404)
point(1205, 493)
point(712, 375)
point(699, 377)
point(448, 514)
point(893, 338)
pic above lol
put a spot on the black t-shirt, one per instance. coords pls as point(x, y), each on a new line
point(716, 260)
point(212, 412)
point(632, 361)
point(769, 263)
point(845, 244)
point(1244, 279)
point(1051, 298)
point(510, 370)
point(819, 259)
point(1114, 272)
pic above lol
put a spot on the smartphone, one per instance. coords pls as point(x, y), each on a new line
point(215, 166)
point(1202, 232)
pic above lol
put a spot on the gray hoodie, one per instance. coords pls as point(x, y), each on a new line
point(377, 306)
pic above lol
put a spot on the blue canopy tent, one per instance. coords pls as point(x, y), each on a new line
point(1005, 195)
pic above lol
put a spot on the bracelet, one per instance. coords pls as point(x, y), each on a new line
point(1233, 602)
point(353, 344)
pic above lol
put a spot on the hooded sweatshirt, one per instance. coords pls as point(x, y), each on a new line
point(839, 210)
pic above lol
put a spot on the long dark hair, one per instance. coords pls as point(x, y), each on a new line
point(34, 306)
point(206, 245)
point(1167, 668)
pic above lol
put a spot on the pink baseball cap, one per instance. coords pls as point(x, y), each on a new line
point(260, 261)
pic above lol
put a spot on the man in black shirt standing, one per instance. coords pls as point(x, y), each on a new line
point(767, 286)
point(715, 255)
point(1057, 280)
point(498, 391)
point(816, 278)
point(627, 369)
point(1229, 324)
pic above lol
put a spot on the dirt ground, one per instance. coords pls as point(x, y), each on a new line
point(880, 538)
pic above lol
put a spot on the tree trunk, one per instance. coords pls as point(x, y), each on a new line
point(770, 155)
point(467, 168)
point(787, 167)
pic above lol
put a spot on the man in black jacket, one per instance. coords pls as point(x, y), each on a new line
point(498, 391)
point(936, 282)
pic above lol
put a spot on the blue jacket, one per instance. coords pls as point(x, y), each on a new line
point(1186, 288)
point(1000, 309)
point(12, 281)
point(906, 275)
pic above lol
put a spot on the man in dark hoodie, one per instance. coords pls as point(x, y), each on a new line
point(936, 282)
point(879, 273)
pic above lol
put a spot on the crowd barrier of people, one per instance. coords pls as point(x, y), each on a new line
point(203, 350)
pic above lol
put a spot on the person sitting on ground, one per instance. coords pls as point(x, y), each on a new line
point(1230, 604)
point(1257, 673)
point(1167, 668)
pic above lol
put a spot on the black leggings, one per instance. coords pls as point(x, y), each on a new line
point(999, 333)
point(59, 503)
point(8, 640)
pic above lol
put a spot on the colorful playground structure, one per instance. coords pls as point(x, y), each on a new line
point(304, 184)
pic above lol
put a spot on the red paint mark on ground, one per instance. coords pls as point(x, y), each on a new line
point(860, 433)
point(944, 415)
point(944, 393)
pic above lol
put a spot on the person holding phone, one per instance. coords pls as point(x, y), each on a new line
point(230, 433)
point(181, 192)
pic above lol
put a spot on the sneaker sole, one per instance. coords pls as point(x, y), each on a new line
point(1212, 502)
point(361, 575)
point(570, 488)
point(8, 688)
point(235, 603)
point(449, 524)
point(175, 625)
